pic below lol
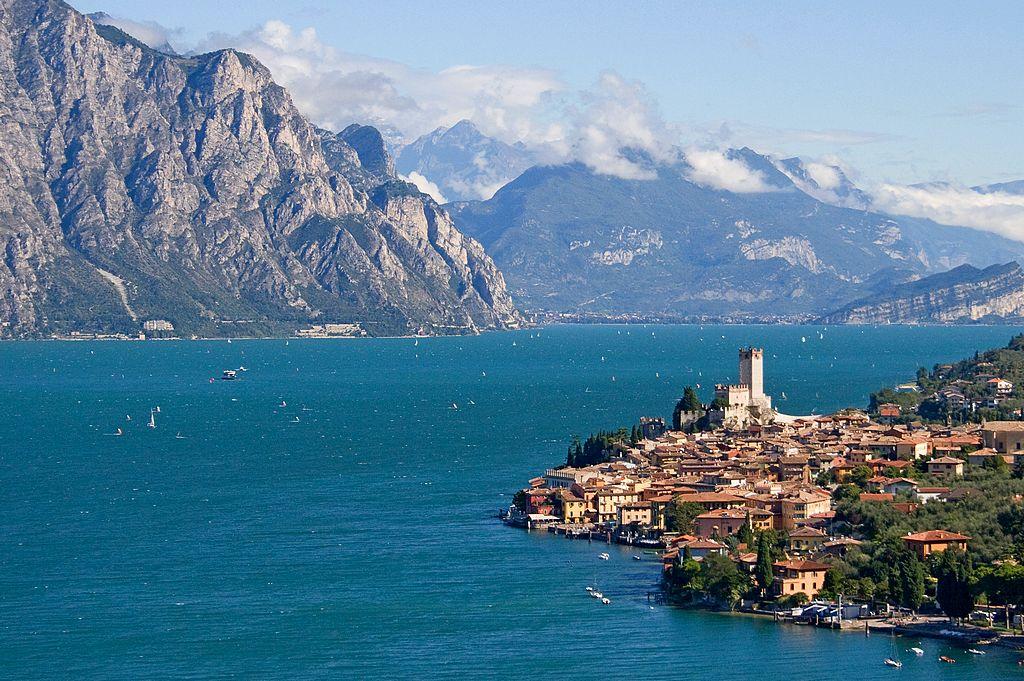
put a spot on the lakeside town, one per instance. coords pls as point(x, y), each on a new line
point(854, 519)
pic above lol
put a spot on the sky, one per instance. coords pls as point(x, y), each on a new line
point(901, 91)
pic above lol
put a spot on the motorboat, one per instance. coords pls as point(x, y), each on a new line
point(604, 556)
point(893, 663)
point(975, 651)
point(917, 651)
point(228, 375)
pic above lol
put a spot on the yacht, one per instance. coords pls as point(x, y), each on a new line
point(228, 375)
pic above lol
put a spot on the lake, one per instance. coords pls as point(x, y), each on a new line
point(330, 513)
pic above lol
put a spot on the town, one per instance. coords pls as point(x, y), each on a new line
point(834, 519)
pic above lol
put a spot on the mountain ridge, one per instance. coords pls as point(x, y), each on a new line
point(196, 182)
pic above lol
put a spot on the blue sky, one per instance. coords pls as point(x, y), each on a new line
point(900, 91)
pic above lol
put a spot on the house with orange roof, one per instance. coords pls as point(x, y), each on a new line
point(946, 465)
point(933, 541)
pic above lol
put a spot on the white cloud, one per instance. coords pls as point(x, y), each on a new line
point(999, 212)
point(425, 186)
point(149, 32)
point(335, 88)
point(712, 168)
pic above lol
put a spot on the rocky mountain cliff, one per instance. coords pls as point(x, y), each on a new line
point(570, 240)
point(962, 295)
point(142, 185)
point(464, 163)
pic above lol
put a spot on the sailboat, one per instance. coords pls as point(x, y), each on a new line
point(152, 419)
point(119, 433)
point(894, 657)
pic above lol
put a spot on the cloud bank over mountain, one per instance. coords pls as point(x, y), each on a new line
point(603, 126)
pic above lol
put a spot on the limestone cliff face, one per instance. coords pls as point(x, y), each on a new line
point(197, 184)
point(964, 294)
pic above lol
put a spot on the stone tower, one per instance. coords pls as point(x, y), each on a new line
point(752, 372)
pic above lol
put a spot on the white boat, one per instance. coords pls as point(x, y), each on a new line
point(596, 594)
point(590, 588)
point(152, 420)
point(636, 557)
point(606, 601)
point(917, 651)
point(975, 651)
point(179, 436)
point(228, 375)
point(295, 420)
point(283, 404)
point(119, 432)
point(603, 556)
point(893, 663)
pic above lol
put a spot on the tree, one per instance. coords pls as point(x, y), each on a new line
point(953, 570)
point(745, 535)
point(764, 572)
point(860, 475)
point(721, 578)
point(689, 402)
point(680, 514)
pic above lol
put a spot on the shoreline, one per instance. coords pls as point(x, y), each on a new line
point(539, 325)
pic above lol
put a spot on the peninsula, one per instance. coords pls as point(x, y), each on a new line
point(839, 520)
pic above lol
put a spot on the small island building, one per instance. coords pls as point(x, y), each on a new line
point(933, 541)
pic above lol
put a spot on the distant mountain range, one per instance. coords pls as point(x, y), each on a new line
point(464, 163)
point(962, 295)
point(571, 240)
point(143, 185)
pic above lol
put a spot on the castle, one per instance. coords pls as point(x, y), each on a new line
point(745, 403)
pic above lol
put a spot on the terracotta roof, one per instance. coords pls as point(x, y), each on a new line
point(802, 565)
point(1005, 425)
point(946, 460)
point(806, 532)
point(935, 536)
point(877, 497)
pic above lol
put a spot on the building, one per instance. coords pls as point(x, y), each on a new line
point(571, 508)
point(745, 403)
point(807, 540)
point(946, 465)
point(728, 521)
point(798, 576)
point(652, 427)
point(158, 328)
point(636, 513)
point(933, 541)
point(1003, 436)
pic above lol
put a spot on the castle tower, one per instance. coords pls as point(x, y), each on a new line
point(752, 372)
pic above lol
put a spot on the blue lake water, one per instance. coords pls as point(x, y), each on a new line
point(358, 541)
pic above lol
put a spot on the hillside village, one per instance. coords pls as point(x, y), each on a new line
point(769, 508)
point(988, 386)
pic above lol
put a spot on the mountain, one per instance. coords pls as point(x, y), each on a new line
point(464, 163)
point(142, 185)
point(963, 294)
point(571, 240)
point(1014, 187)
point(827, 183)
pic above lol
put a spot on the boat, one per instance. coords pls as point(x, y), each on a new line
point(179, 436)
point(894, 656)
point(606, 601)
point(917, 651)
point(283, 404)
point(975, 651)
point(590, 588)
point(603, 556)
point(945, 658)
point(636, 557)
point(295, 420)
point(152, 420)
point(594, 593)
point(119, 432)
point(228, 375)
